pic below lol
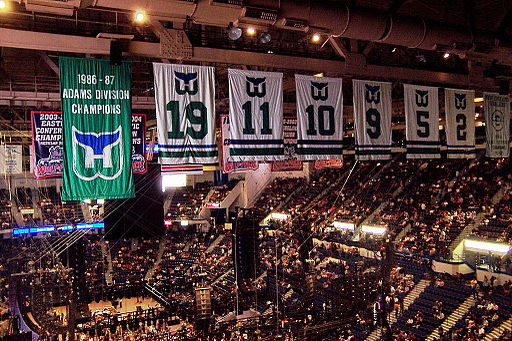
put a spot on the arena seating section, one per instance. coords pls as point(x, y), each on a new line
point(424, 204)
point(186, 202)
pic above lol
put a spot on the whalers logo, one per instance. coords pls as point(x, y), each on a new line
point(319, 91)
point(185, 78)
point(498, 120)
point(460, 101)
point(422, 98)
point(256, 87)
point(102, 146)
point(372, 93)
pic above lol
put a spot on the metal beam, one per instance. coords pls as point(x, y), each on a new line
point(49, 62)
point(157, 28)
point(333, 67)
point(78, 44)
point(52, 99)
point(338, 46)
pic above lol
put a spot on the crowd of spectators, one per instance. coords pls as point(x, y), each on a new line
point(274, 195)
point(492, 306)
point(427, 183)
point(96, 264)
point(434, 200)
point(131, 259)
point(372, 190)
point(497, 222)
point(6, 218)
point(162, 330)
point(221, 192)
point(55, 211)
point(456, 206)
point(186, 203)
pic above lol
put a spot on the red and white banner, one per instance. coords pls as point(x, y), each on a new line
point(227, 163)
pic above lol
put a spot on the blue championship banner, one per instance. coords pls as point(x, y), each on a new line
point(138, 142)
point(47, 144)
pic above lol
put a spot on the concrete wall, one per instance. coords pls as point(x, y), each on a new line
point(451, 267)
point(501, 277)
point(255, 183)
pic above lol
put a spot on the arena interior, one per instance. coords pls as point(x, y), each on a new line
point(380, 234)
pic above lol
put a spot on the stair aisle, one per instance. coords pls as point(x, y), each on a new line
point(496, 332)
point(411, 296)
point(215, 243)
point(161, 249)
point(452, 319)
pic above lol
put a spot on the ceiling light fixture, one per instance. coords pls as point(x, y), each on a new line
point(265, 38)
point(315, 38)
point(234, 33)
point(3, 5)
point(140, 17)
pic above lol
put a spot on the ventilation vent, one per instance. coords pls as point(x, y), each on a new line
point(295, 23)
point(261, 13)
point(238, 3)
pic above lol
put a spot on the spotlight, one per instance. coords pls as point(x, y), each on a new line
point(265, 38)
point(234, 33)
point(319, 75)
point(251, 31)
point(393, 50)
point(140, 17)
point(315, 38)
point(446, 55)
point(4, 5)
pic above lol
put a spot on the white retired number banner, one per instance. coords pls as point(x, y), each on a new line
point(372, 117)
point(497, 128)
point(320, 118)
point(460, 124)
point(422, 122)
point(185, 112)
point(256, 116)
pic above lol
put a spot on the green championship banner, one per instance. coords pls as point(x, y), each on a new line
point(96, 106)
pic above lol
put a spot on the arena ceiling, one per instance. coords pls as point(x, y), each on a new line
point(396, 40)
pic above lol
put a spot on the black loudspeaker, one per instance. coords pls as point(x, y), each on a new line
point(75, 260)
point(246, 246)
point(504, 87)
point(116, 52)
point(310, 288)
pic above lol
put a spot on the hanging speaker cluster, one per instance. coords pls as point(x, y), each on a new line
point(116, 52)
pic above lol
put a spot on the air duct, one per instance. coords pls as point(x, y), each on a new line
point(332, 18)
point(59, 7)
